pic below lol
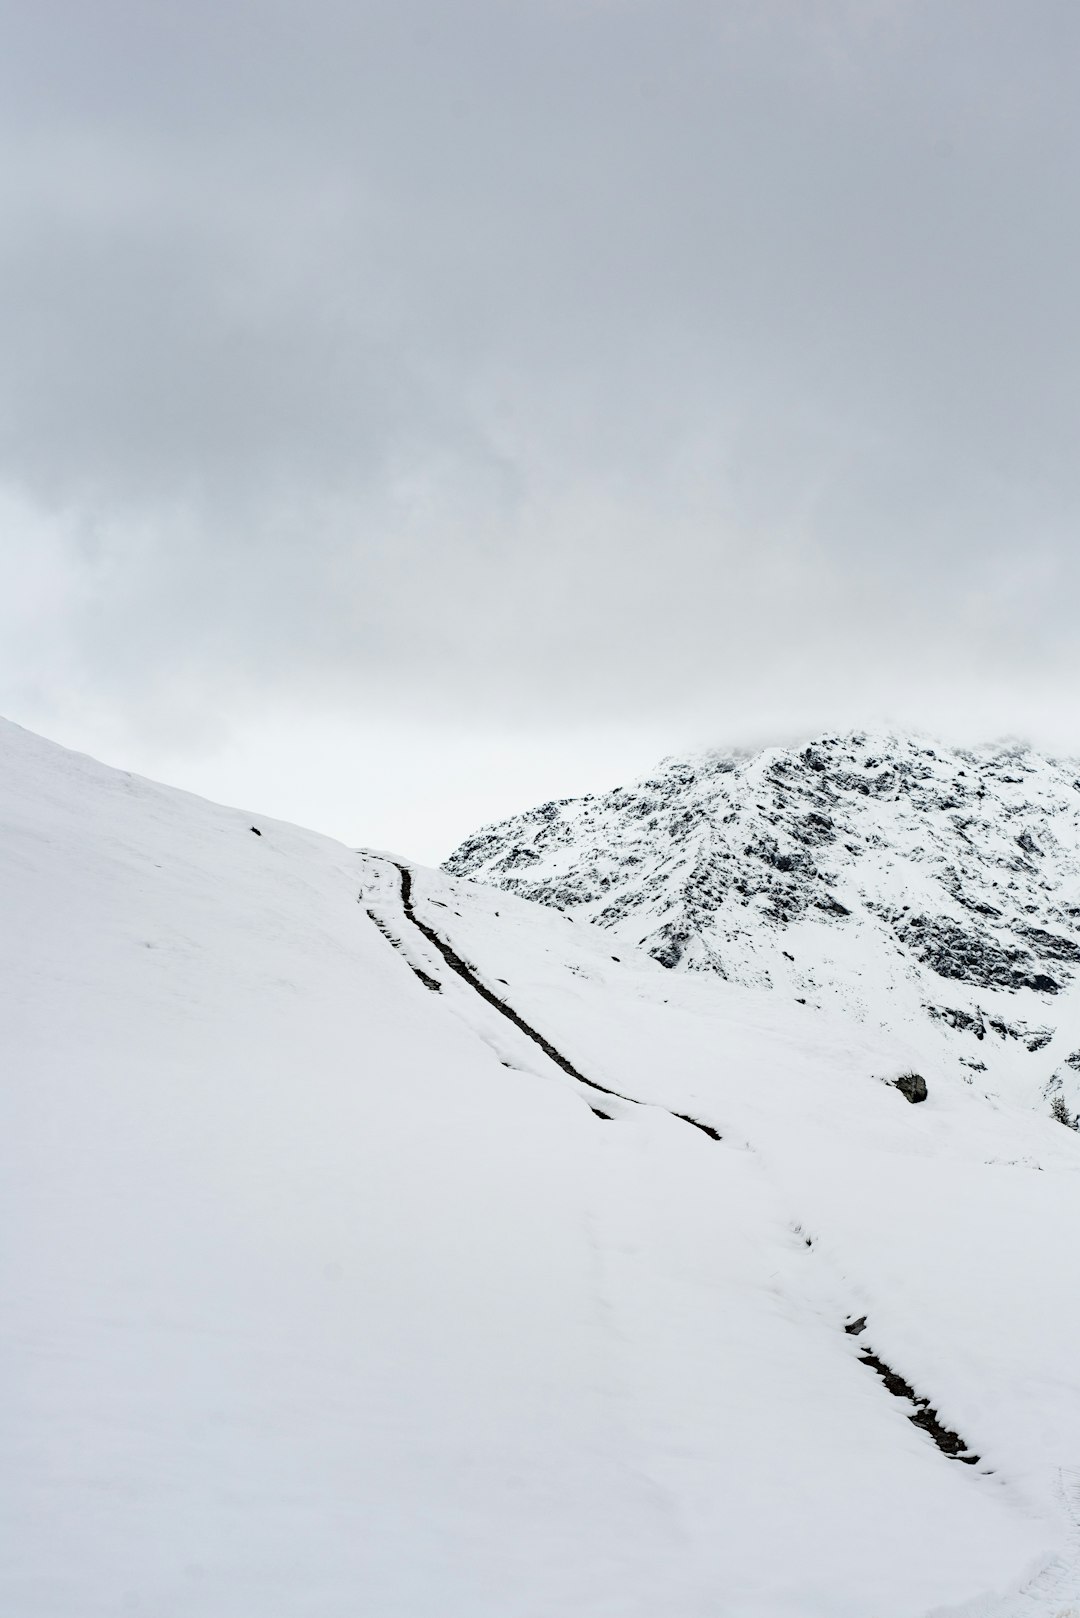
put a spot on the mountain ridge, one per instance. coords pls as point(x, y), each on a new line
point(896, 875)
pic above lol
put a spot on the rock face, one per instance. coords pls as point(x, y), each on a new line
point(898, 875)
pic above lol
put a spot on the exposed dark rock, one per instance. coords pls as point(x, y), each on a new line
point(831, 906)
point(969, 1022)
point(912, 1086)
point(1050, 946)
point(970, 956)
point(814, 829)
point(977, 1022)
point(1033, 1038)
point(770, 853)
point(669, 946)
point(923, 1416)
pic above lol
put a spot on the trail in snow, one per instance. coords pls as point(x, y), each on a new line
point(395, 943)
point(469, 976)
point(464, 971)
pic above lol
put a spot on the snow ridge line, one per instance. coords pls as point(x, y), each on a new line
point(469, 975)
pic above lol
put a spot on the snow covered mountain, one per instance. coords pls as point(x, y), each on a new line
point(897, 879)
point(380, 1243)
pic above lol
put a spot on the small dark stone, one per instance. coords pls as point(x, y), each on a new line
point(256, 830)
point(856, 1326)
point(912, 1086)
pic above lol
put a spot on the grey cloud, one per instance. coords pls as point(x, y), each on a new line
point(549, 355)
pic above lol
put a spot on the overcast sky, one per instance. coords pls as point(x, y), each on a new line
point(412, 410)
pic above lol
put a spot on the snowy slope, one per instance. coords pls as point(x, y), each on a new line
point(893, 878)
point(329, 1292)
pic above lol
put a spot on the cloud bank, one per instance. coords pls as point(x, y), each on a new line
point(538, 363)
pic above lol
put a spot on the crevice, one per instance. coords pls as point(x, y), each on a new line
point(923, 1415)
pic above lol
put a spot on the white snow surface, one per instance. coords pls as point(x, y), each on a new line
point(327, 1293)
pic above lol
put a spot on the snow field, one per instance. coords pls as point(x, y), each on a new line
point(317, 1308)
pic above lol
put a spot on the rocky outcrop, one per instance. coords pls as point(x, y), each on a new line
point(971, 955)
point(855, 866)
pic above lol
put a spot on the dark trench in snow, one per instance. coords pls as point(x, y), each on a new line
point(923, 1416)
point(465, 971)
point(469, 975)
point(395, 943)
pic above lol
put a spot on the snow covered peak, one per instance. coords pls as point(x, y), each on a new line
point(896, 875)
